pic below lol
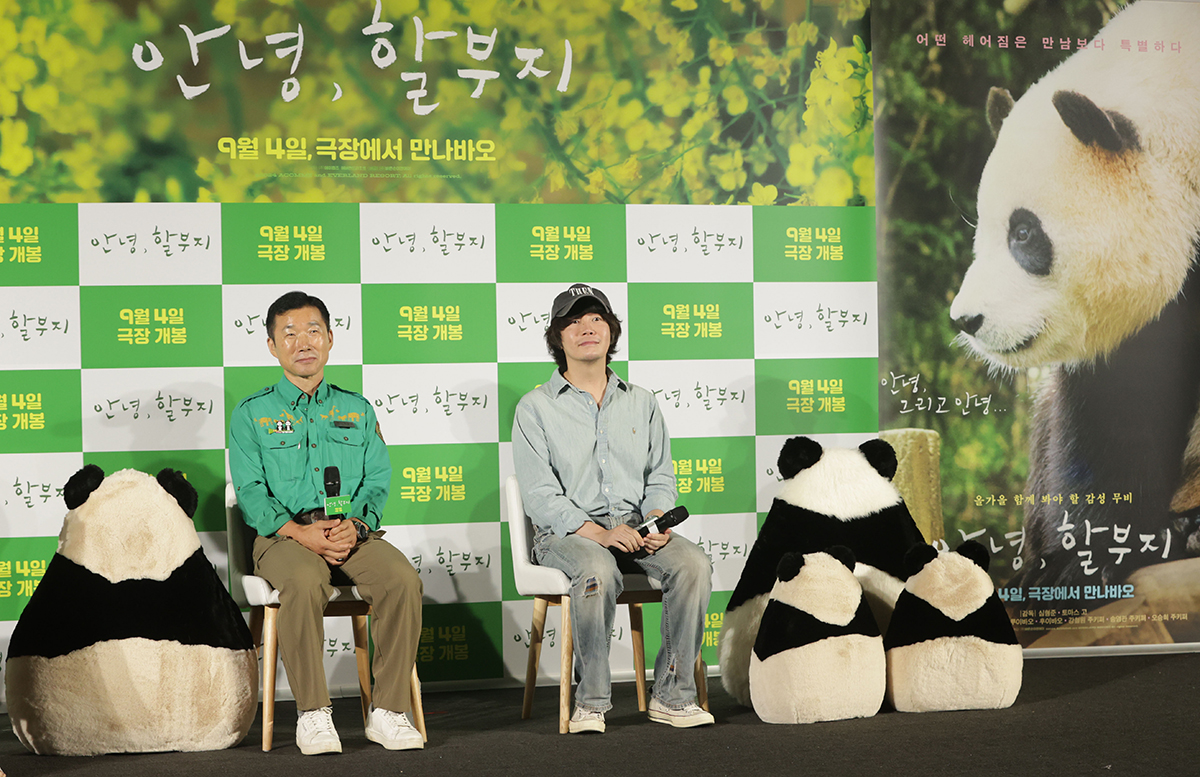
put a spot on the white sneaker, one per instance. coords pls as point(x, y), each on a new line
point(315, 733)
point(393, 730)
point(689, 716)
point(586, 720)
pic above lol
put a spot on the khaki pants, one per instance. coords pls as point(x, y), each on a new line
point(385, 579)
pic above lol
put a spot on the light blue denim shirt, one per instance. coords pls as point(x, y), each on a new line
point(577, 462)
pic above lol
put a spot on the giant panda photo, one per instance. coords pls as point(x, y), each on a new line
point(1039, 299)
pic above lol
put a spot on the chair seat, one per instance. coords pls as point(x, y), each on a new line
point(548, 581)
point(259, 592)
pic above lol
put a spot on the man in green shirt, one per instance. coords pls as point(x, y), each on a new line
point(281, 439)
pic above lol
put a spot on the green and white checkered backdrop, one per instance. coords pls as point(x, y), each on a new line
point(130, 331)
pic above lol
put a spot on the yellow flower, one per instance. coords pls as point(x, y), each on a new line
point(637, 135)
point(735, 100)
point(629, 172)
point(720, 52)
point(801, 34)
point(849, 10)
point(595, 184)
point(801, 159)
point(15, 156)
point(864, 168)
point(8, 102)
point(763, 195)
point(16, 71)
point(38, 98)
point(685, 5)
point(833, 187)
point(557, 176)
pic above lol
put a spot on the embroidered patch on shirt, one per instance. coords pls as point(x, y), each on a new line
point(345, 424)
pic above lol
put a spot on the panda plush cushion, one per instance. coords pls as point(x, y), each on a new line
point(951, 645)
point(818, 655)
point(839, 496)
point(130, 643)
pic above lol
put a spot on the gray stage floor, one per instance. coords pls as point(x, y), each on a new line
point(1130, 715)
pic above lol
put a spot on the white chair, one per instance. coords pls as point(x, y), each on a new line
point(256, 593)
point(549, 586)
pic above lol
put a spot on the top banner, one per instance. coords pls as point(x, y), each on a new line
point(691, 102)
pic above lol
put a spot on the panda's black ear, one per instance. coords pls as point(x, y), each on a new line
point(881, 456)
point(798, 453)
point(81, 485)
point(175, 484)
point(842, 554)
point(789, 566)
point(917, 557)
point(1093, 125)
point(976, 552)
point(999, 104)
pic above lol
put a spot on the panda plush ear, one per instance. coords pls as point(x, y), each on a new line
point(976, 552)
point(843, 554)
point(881, 456)
point(917, 557)
point(798, 453)
point(81, 485)
point(175, 484)
point(1094, 126)
point(999, 105)
point(789, 566)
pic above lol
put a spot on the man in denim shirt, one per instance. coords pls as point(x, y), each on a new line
point(593, 456)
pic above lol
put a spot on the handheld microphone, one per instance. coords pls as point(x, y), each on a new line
point(661, 523)
point(335, 505)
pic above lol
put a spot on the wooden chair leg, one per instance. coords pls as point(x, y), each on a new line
point(362, 656)
point(418, 709)
point(701, 683)
point(536, 630)
point(639, 652)
point(566, 668)
point(270, 653)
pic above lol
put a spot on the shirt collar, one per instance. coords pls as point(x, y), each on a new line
point(292, 394)
point(558, 384)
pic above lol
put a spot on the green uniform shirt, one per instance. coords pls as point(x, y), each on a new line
point(280, 442)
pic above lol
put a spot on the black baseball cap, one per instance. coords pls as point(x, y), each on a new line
point(564, 302)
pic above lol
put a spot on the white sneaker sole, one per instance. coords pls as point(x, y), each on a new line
point(676, 722)
point(396, 744)
point(332, 747)
point(586, 727)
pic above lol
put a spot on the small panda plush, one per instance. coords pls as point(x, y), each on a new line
point(951, 645)
point(840, 496)
point(130, 643)
point(1085, 264)
point(818, 655)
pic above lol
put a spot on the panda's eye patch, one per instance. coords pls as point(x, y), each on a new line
point(1028, 244)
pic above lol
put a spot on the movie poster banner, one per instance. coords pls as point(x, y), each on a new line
point(1039, 215)
point(436, 172)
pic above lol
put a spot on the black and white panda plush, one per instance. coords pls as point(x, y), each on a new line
point(951, 645)
point(839, 496)
point(1085, 264)
point(818, 655)
point(130, 643)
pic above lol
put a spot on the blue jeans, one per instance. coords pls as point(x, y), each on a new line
point(685, 573)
